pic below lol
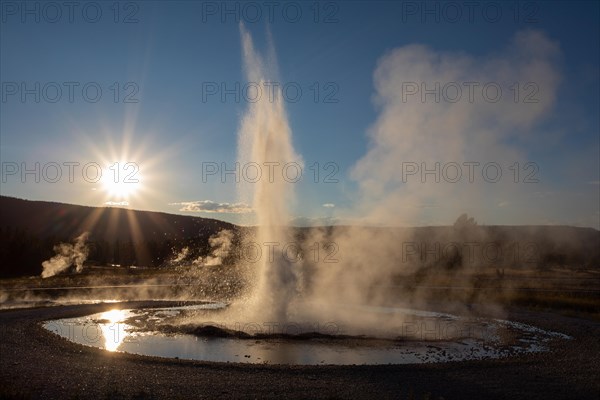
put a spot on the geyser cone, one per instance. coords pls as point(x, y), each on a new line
point(265, 141)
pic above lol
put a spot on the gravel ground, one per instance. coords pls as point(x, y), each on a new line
point(37, 364)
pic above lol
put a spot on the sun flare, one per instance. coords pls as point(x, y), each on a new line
point(120, 181)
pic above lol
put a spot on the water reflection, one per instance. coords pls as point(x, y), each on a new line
point(118, 330)
point(113, 328)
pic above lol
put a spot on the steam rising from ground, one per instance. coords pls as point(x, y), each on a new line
point(66, 255)
point(220, 245)
point(179, 257)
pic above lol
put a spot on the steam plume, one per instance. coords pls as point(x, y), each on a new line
point(66, 255)
point(423, 128)
point(179, 257)
point(220, 245)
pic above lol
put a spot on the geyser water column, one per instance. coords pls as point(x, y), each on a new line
point(265, 145)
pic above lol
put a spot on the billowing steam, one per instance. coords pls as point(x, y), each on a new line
point(67, 255)
point(220, 245)
point(179, 257)
point(455, 110)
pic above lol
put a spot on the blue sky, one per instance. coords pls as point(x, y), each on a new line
point(164, 55)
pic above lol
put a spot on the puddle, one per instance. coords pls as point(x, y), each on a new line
point(160, 332)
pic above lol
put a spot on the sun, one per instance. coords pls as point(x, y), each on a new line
point(119, 190)
point(121, 180)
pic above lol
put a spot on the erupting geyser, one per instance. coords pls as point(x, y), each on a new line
point(265, 139)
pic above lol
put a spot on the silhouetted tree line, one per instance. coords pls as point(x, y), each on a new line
point(22, 253)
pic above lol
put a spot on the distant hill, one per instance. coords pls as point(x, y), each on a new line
point(29, 230)
point(67, 221)
point(467, 245)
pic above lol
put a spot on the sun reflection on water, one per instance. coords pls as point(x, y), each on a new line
point(114, 330)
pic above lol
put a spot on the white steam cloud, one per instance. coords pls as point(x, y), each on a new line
point(179, 257)
point(66, 255)
point(445, 107)
point(220, 245)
